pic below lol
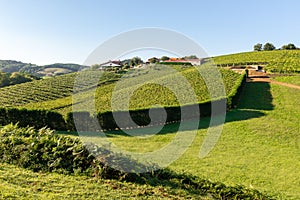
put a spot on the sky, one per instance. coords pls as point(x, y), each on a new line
point(68, 31)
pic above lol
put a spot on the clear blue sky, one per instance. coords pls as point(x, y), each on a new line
point(49, 31)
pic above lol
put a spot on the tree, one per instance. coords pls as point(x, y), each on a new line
point(257, 47)
point(269, 47)
point(4, 79)
point(135, 61)
point(153, 60)
point(126, 63)
point(164, 58)
point(191, 57)
point(290, 46)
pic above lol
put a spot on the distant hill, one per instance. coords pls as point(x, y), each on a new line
point(11, 66)
point(14, 78)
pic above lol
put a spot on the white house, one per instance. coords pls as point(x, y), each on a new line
point(110, 64)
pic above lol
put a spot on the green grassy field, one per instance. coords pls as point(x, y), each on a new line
point(18, 183)
point(288, 79)
point(259, 146)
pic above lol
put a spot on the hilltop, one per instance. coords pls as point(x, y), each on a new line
point(11, 66)
point(276, 61)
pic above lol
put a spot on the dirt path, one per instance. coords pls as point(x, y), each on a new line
point(268, 80)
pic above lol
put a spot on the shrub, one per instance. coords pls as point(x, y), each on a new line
point(35, 118)
point(42, 150)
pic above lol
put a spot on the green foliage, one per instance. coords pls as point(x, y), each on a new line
point(11, 66)
point(14, 78)
point(153, 60)
point(152, 94)
point(260, 138)
point(279, 61)
point(44, 151)
point(55, 93)
point(289, 46)
point(60, 89)
point(35, 118)
point(135, 61)
point(287, 62)
point(48, 89)
point(269, 47)
point(190, 57)
point(257, 47)
point(234, 96)
point(164, 58)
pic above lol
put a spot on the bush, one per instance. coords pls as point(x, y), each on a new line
point(233, 97)
point(42, 150)
point(34, 118)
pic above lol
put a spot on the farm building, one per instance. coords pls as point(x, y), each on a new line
point(110, 64)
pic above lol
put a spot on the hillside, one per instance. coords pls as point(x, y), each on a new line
point(14, 78)
point(277, 61)
point(10, 66)
point(42, 90)
point(55, 93)
point(260, 138)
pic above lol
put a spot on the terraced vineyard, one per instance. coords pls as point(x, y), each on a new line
point(278, 61)
point(37, 91)
point(44, 90)
point(55, 93)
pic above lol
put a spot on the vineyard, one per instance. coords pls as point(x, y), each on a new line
point(243, 150)
point(45, 90)
point(56, 93)
point(278, 61)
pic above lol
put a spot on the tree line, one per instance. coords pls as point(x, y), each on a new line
point(7, 79)
point(270, 47)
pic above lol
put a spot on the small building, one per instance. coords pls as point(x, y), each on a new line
point(110, 65)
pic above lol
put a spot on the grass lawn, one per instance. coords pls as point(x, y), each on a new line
point(18, 183)
point(289, 79)
point(259, 146)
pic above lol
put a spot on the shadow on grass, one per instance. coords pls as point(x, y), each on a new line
point(255, 98)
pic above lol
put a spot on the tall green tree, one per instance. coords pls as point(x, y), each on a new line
point(164, 58)
point(289, 46)
point(257, 47)
point(153, 60)
point(269, 47)
point(136, 61)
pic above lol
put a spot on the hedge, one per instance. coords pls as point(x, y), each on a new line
point(34, 118)
point(174, 114)
point(141, 117)
point(234, 95)
point(54, 120)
